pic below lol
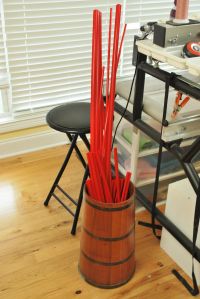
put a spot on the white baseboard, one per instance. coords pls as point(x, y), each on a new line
point(33, 142)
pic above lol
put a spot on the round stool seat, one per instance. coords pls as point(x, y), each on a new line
point(70, 117)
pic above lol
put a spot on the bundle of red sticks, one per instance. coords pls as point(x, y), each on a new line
point(102, 185)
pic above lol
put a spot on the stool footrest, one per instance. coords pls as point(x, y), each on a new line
point(67, 195)
point(62, 203)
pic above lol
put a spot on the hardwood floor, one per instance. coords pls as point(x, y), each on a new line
point(38, 255)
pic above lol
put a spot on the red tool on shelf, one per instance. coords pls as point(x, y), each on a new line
point(179, 104)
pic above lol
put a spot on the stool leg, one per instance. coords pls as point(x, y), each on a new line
point(85, 140)
point(76, 216)
point(73, 143)
point(77, 151)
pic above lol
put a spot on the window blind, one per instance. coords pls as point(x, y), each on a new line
point(49, 46)
point(4, 103)
point(49, 50)
point(2, 46)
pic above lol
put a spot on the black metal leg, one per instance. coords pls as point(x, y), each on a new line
point(61, 170)
point(139, 87)
point(77, 151)
point(155, 193)
point(80, 199)
point(85, 140)
point(192, 151)
point(156, 184)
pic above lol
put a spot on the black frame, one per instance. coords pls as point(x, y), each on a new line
point(178, 82)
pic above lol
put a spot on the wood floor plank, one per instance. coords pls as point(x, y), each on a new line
point(38, 255)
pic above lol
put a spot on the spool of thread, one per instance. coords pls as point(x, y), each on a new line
point(191, 49)
point(182, 7)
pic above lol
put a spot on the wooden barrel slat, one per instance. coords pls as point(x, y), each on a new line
point(107, 277)
point(107, 257)
point(115, 250)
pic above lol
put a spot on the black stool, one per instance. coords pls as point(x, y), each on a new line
point(73, 119)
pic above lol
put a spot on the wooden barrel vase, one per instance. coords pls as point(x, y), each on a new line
point(107, 245)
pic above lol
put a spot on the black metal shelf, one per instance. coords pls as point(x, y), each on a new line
point(185, 158)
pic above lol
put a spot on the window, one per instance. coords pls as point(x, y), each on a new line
point(4, 104)
point(47, 50)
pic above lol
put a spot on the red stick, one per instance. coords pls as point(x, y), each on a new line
point(89, 187)
point(106, 189)
point(98, 178)
point(112, 91)
point(95, 189)
point(121, 186)
point(114, 191)
point(92, 113)
point(100, 47)
point(94, 79)
point(101, 112)
point(108, 61)
point(121, 43)
point(97, 82)
point(99, 99)
point(126, 186)
point(107, 81)
point(99, 70)
point(117, 174)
